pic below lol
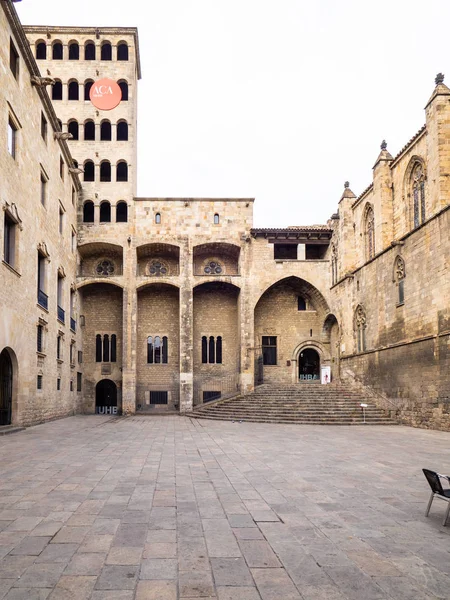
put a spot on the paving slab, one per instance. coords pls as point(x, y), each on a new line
point(168, 507)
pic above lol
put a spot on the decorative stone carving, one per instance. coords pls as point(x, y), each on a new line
point(62, 135)
point(105, 268)
point(213, 268)
point(360, 316)
point(399, 271)
point(42, 248)
point(42, 81)
point(157, 268)
point(13, 213)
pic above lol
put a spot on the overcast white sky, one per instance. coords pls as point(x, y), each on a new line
point(281, 100)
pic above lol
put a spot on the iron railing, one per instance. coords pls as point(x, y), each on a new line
point(42, 299)
point(61, 315)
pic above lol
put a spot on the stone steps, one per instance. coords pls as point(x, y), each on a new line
point(333, 404)
point(8, 429)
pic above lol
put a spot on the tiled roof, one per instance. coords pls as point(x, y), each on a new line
point(414, 137)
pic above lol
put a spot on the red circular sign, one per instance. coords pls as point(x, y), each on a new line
point(105, 94)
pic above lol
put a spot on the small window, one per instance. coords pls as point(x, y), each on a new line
point(159, 397)
point(105, 131)
point(124, 87)
point(39, 382)
point(269, 350)
point(41, 51)
point(9, 240)
point(211, 350)
point(216, 219)
point(74, 90)
point(210, 396)
point(122, 131)
point(74, 51)
point(88, 212)
point(87, 89)
point(89, 133)
point(113, 348)
point(80, 357)
point(122, 171)
point(58, 384)
point(301, 303)
point(71, 385)
point(89, 51)
point(13, 59)
point(121, 212)
point(122, 51)
point(61, 219)
point(98, 348)
point(57, 91)
point(73, 129)
point(44, 181)
point(74, 241)
point(42, 297)
point(57, 53)
point(12, 137)
point(105, 171)
point(105, 212)
point(60, 299)
point(106, 348)
point(106, 52)
point(401, 291)
point(59, 347)
point(44, 127)
point(40, 338)
point(158, 218)
point(79, 378)
point(61, 168)
point(89, 171)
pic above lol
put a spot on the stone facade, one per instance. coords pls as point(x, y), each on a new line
point(176, 301)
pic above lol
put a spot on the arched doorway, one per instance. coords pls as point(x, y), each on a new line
point(6, 387)
point(106, 397)
point(309, 365)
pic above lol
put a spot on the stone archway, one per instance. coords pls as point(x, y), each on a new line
point(106, 397)
point(309, 365)
point(6, 387)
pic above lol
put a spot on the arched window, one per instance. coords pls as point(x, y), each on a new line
point(122, 171)
point(399, 279)
point(57, 51)
point(105, 131)
point(89, 171)
point(106, 53)
point(360, 328)
point(113, 348)
point(88, 212)
point(41, 51)
point(124, 87)
point(301, 303)
point(105, 171)
point(211, 350)
point(74, 90)
point(219, 350)
point(106, 348)
point(73, 129)
point(369, 232)
point(204, 350)
point(89, 51)
point(57, 90)
point(98, 348)
point(157, 350)
point(121, 212)
point(122, 51)
point(74, 51)
point(87, 88)
point(105, 212)
point(89, 131)
point(122, 131)
point(216, 219)
point(158, 218)
point(418, 193)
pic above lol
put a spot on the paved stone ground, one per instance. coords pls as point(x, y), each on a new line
point(169, 508)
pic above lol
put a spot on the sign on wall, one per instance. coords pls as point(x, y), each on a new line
point(105, 94)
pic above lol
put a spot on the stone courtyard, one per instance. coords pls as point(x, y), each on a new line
point(169, 508)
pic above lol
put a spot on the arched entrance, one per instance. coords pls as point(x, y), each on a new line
point(6, 387)
point(106, 397)
point(309, 365)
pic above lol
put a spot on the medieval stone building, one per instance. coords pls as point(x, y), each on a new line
point(112, 302)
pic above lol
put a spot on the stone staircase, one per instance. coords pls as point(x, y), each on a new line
point(314, 404)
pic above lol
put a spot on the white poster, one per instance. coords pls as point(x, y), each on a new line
point(325, 375)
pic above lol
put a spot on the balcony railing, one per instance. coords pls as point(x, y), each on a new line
point(73, 324)
point(61, 315)
point(43, 299)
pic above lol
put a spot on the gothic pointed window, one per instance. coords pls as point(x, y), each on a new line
point(418, 194)
point(360, 328)
point(399, 278)
point(369, 232)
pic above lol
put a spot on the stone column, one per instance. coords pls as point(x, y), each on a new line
point(186, 329)
point(129, 332)
point(247, 325)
